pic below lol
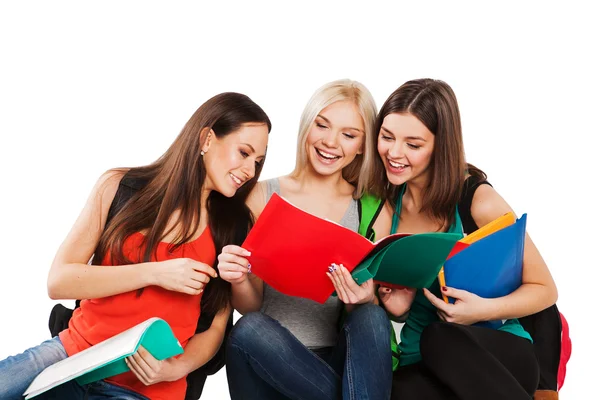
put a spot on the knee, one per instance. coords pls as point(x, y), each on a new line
point(369, 317)
point(436, 336)
point(248, 329)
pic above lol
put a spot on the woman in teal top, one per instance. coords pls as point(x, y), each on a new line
point(421, 174)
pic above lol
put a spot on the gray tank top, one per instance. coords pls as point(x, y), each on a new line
point(314, 325)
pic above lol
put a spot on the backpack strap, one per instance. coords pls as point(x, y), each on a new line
point(466, 200)
point(369, 208)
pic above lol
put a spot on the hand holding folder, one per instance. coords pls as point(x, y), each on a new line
point(292, 249)
point(492, 265)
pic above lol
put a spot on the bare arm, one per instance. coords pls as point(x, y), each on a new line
point(538, 290)
point(71, 277)
point(203, 346)
point(200, 349)
point(246, 289)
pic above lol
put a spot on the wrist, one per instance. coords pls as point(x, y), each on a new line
point(177, 369)
point(489, 310)
point(149, 273)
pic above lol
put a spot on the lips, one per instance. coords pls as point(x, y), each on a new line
point(237, 181)
point(396, 167)
point(326, 157)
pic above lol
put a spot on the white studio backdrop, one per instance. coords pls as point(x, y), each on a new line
point(85, 87)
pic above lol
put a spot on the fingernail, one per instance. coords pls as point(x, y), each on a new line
point(249, 268)
point(444, 288)
point(248, 254)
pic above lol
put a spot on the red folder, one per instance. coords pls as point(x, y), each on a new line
point(286, 255)
point(292, 250)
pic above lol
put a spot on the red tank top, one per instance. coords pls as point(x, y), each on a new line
point(99, 319)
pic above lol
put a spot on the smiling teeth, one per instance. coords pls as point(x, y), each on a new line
point(396, 165)
point(327, 155)
point(236, 180)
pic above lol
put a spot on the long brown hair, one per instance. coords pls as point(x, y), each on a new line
point(174, 183)
point(434, 103)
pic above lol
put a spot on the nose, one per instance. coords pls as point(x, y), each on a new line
point(395, 151)
point(330, 139)
point(249, 169)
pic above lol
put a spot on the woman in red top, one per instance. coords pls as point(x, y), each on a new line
point(155, 257)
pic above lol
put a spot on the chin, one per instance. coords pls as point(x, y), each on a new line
point(396, 180)
point(227, 191)
point(321, 169)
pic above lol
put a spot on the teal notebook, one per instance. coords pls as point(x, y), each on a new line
point(107, 358)
point(411, 261)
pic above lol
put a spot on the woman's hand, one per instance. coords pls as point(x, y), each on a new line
point(182, 275)
point(348, 291)
point(468, 308)
point(397, 301)
point(149, 370)
point(233, 265)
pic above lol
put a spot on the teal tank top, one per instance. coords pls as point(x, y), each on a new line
point(422, 312)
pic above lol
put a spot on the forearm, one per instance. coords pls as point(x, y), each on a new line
point(83, 281)
point(245, 296)
point(526, 300)
point(200, 349)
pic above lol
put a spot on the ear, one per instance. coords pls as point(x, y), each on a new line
point(206, 137)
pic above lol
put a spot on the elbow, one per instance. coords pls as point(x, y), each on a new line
point(553, 295)
point(52, 290)
point(53, 285)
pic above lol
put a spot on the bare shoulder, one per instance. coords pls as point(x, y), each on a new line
point(105, 189)
point(383, 223)
point(257, 199)
point(488, 205)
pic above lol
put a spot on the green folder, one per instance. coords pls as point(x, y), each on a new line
point(158, 339)
point(413, 261)
point(107, 358)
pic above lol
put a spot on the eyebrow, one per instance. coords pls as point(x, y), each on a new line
point(346, 127)
point(254, 151)
point(408, 137)
point(249, 145)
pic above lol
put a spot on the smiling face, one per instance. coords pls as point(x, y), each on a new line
point(405, 146)
point(232, 160)
point(336, 136)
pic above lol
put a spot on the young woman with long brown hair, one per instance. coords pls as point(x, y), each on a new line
point(422, 173)
point(156, 257)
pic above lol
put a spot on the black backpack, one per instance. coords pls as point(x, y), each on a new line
point(60, 315)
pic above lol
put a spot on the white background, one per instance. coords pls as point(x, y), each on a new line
point(85, 87)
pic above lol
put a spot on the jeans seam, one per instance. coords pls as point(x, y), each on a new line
point(349, 370)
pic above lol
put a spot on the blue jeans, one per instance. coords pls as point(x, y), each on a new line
point(17, 373)
point(265, 361)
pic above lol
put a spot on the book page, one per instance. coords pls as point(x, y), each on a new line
point(96, 356)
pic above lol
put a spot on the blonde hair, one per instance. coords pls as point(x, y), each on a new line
point(359, 170)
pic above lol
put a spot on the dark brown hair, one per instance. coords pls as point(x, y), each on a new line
point(433, 102)
point(174, 183)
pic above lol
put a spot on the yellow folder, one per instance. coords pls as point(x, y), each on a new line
point(486, 230)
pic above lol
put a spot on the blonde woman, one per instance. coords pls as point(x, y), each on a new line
point(289, 347)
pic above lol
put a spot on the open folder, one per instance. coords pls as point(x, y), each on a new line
point(292, 250)
point(491, 266)
point(107, 358)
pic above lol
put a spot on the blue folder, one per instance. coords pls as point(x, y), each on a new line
point(491, 267)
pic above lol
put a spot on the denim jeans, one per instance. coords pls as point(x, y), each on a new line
point(265, 361)
point(17, 373)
